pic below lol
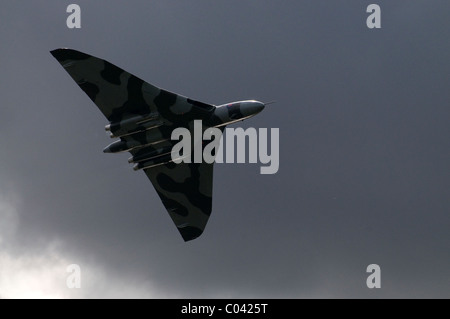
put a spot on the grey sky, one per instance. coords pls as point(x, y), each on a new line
point(364, 151)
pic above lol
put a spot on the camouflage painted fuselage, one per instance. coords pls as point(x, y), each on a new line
point(143, 117)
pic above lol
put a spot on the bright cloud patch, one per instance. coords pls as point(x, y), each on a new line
point(44, 272)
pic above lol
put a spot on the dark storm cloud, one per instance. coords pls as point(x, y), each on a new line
point(364, 154)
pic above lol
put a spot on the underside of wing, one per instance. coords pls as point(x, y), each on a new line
point(184, 188)
point(120, 95)
point(186, 192)
point(143, 116)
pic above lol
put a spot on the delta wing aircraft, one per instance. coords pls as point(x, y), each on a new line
point(143, 117)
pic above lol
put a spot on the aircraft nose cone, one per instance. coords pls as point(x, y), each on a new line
point(259, 107)
point(251, 108)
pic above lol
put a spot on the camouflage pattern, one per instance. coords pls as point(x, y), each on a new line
point(143, 116)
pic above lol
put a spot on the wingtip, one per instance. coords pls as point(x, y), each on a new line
point(58, 51)
point(55, 52)
point(62, 54)
point(190, 233)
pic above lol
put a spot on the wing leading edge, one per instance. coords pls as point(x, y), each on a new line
point(185, 189)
